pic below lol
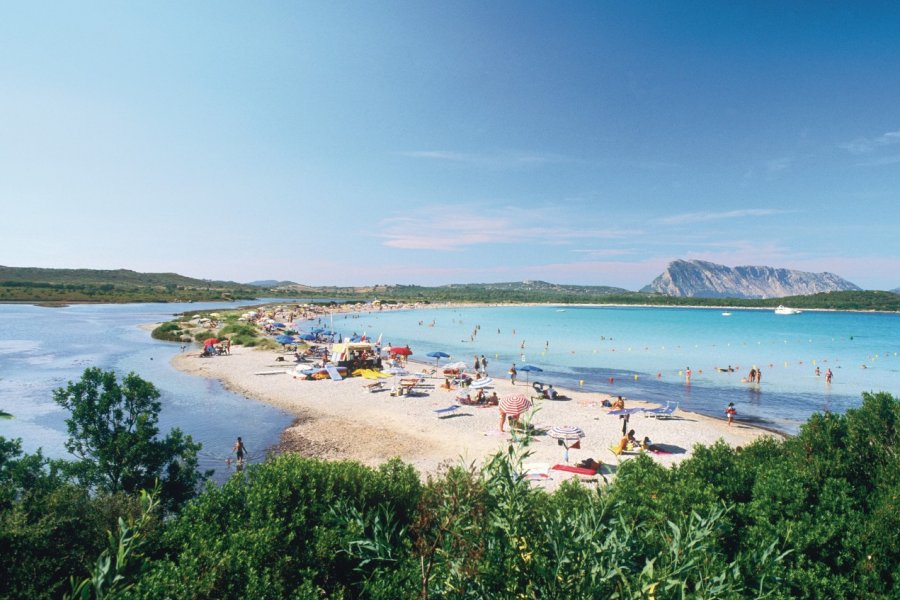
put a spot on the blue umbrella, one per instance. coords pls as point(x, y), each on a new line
point(285, 339)
point(309, 337)
point(530, 369)
point(438, 356)
point(280, 325)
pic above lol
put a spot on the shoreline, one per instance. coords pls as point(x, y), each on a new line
point(344, 421)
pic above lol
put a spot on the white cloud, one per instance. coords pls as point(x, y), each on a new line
point(462, 226)
point(499, 160)
point(700, 217)
point(865, 145)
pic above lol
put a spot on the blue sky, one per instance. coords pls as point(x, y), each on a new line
point(447, 142)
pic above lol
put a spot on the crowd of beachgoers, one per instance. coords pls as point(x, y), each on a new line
point(362, 400)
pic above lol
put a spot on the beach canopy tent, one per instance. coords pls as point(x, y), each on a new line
point(514, 404)
point(343, 351)
point(529, 369)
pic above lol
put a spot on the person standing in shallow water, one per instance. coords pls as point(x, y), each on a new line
point(240, 451)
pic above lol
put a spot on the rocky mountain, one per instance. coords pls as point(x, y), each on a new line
point(701, 279)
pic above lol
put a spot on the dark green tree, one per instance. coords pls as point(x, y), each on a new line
point(113, 431)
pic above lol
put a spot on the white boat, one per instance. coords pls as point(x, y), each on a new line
point(726, 314)
point(784, 310)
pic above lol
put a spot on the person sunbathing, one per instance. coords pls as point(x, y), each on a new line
point(627, 442)
point(619, 404)
point(649, 446)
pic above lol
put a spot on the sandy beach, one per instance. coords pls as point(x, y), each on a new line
point(344, 420)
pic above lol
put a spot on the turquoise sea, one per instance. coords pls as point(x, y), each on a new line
point(646, 351)
point(42, 349)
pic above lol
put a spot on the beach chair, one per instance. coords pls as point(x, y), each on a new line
point(374, 386)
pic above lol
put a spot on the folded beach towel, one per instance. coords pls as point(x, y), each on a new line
point(571, 469)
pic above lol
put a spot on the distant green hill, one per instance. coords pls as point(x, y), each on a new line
point(271, 283)
point(27, 284)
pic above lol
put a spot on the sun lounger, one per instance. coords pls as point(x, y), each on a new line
point(374, 386)
point(448, 409)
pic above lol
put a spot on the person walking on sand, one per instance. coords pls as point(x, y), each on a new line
point(512, 374)
point(730, 411)
point(240, 451)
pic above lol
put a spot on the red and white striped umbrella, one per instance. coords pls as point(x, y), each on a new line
point(515, 404)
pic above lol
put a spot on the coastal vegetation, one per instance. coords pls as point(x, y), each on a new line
point(812, 516)
point(21, 284)
point(225, 325)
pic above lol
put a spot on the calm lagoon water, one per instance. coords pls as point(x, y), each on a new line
point(646, 350)
point(42, 349)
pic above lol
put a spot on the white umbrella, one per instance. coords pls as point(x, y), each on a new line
point(566, 434)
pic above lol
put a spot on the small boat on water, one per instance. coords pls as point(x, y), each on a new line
point(726, 314)
point(784, 310)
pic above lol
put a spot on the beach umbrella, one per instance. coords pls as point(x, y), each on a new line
point(309, 337)
point(284, 340)
point(457, 366)
point(514, 404)
point(437, 356)
point(402, 351)
point(529, 369)
point(568, 435)
point(210, 342)
point(481, 383)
